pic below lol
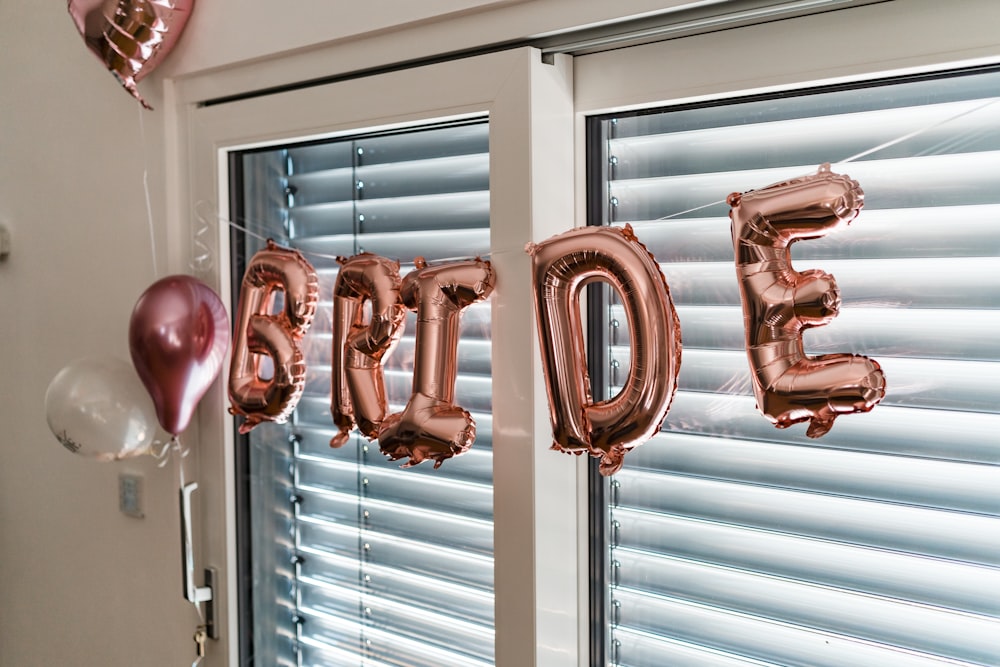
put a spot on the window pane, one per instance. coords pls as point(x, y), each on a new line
point(732, 542)
point(354, 560)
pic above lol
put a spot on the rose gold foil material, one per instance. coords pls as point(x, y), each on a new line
point(359, 347)
point(131, 37)
point(563, 266)
point(431, 427)
point(178, 337)
point(260, 333)
point(779, 302)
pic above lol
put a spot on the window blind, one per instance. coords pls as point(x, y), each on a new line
point(356, 561)
point(734, 543)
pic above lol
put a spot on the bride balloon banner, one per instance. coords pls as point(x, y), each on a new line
point(779, 302)
point(131, 37)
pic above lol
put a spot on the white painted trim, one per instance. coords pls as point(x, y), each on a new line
point(887, 39)
point(536, 491)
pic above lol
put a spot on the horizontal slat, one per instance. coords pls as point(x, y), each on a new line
point(432, 245)
point(417, 556)
point(822, 608)
point(759, 638)
point(328, 570)
point(473, 356)
point(473, 325)
point(955, 231)
point(969, 386)
point(419, 623)
point(397, 147)
point(967, 283)
point(807, 140)
point(314, 412)
point(381, 647)
point(945, 180)
point(910, 332)
point(934, 532)
point(384, 486)
point(424, 143)
point(450, 210)
point(952, 485)
point(416, 523)
point(475, 465)
point(932, 90)
point(643, 649)
point(934, 434)
point(461, 173)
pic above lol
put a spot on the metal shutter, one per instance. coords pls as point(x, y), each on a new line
point(733, 543)
point(355, 561)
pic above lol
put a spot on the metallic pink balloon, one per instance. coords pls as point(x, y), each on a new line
point(563, 265)
point(130, 37)
point(431, 426)
point(779, 302)
point(359, 348)
point(178, 336)
point(261, 334)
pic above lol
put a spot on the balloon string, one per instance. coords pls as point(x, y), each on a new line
point(145, 188)
point(310, 253)
point(910, 135)
point(864, 153)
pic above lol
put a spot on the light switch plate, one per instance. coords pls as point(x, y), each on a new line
point(130, 494)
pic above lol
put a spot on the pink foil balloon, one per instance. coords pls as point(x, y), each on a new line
point(178, 336)
point(432, 427)
point(130, 37)
point(357, 380)
point(563, 266)
point(259, 334)
point(779, 302)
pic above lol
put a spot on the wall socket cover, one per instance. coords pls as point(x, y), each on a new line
point(130, 494)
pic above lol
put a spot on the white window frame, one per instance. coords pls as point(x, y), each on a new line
point(537, 118)
point(538, 518)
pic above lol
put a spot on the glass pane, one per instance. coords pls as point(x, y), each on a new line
point(355, 560)
point(732, 542)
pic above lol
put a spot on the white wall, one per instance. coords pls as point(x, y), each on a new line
point(81, 583)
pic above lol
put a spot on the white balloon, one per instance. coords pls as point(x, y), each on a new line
point(98, 408)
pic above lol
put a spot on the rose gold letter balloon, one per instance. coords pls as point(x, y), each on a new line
point(563, 265)
point(130, 37)
point(779, 302)
point(432, 426)
point(258, 332)
point(358, 386)
point(178, 336)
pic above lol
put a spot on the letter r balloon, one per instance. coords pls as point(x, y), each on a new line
point(357, 379)
point(779, 302)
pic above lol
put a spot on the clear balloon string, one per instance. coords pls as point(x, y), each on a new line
point(245, 229)
point(857, 156)
point(145, 189)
